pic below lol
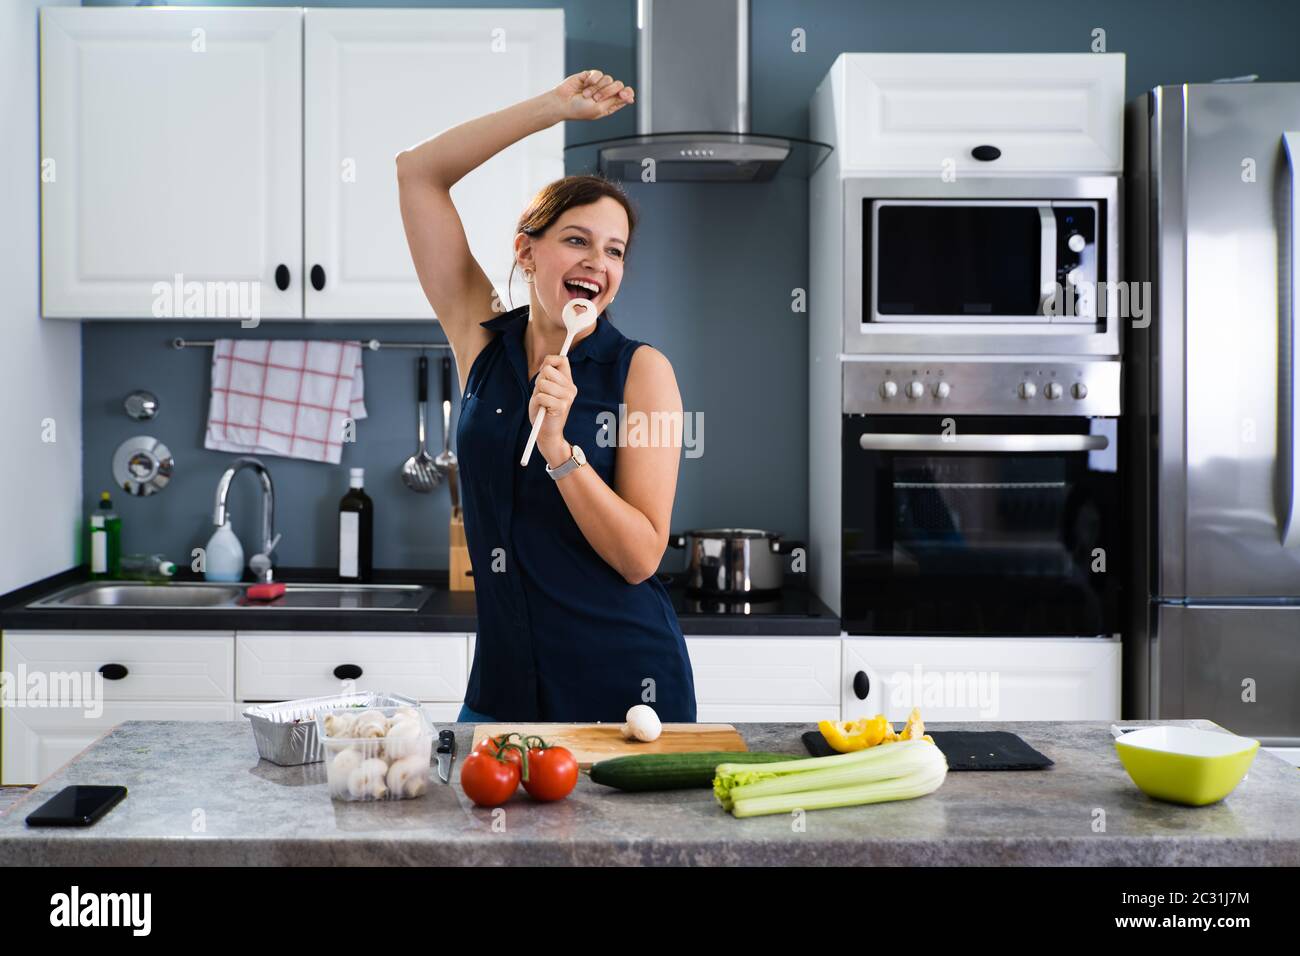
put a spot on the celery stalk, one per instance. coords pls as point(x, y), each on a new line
point(908, 787)
point(895, 771)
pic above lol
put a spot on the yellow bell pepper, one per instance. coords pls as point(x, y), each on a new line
point(846, 736)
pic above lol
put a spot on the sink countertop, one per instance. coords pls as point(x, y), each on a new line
point(799, 613)
point(257, 814)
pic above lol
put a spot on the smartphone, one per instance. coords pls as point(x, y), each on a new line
point(76, 806)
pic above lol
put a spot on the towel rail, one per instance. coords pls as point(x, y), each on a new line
point(373, 344)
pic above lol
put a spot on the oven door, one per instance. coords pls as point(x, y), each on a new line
point(980, 526)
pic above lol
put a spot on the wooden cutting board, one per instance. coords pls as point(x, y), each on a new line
point(592, 742)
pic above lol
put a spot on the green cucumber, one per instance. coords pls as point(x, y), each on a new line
point(680, 771)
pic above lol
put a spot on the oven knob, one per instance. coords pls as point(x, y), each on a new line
point(1053, 390)
point(1027, 390)
point(1076, 242)
point(1079, 390)
point(888, 390)
point(941, 390)
point(915, 389)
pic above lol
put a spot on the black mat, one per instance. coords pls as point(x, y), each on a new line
point(964, 749)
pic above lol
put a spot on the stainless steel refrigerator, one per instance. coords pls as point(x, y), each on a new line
point(1213, 450)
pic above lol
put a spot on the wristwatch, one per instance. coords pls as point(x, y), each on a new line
point(576, 461)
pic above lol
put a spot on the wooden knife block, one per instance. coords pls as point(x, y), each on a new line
point(460, 577)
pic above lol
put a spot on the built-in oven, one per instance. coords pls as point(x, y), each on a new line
point(981, 498)
point(982, 265)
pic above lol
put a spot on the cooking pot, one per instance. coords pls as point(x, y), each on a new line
point(727, 561)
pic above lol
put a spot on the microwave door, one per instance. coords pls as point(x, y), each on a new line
point(1236, 464)
point(972, 262)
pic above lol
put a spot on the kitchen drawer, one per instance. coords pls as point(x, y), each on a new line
point(913, 113)
point(160, 665)
point(765, 678)
point(976, 678)
point(39, 740)
point(284, 665)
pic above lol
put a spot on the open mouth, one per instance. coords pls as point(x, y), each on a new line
point(579, 291)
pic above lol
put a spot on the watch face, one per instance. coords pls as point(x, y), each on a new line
point(579, 456)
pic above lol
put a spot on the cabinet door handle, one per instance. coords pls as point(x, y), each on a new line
point(317, 278)
point(114, 671)
point(347, 672)
point(282, 277)
point(986, 154)
point(861, 685)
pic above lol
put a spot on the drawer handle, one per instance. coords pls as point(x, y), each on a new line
point(347, 672)
point(861, 685)
point(114, 671)
point(282, 277)
point(317, 278)
point(986, 154)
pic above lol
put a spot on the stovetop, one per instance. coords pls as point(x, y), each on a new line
point(792, 601)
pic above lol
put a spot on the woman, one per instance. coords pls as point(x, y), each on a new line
point(572, 623)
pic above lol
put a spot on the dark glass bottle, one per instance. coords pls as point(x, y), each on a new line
point(356, 532)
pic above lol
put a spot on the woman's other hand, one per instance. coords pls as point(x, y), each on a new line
point(591, 95)
point(554, 391)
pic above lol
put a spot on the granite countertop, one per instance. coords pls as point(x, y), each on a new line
point(183, 776)
point(795, 612)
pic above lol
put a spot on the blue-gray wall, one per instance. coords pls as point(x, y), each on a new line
point(708, 282)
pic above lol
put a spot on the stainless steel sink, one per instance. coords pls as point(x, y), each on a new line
point(202, 595)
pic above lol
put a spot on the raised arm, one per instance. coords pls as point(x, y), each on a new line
point(453, 282)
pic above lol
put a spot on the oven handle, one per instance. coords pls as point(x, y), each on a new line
point(1291, 525)
point(884, 441)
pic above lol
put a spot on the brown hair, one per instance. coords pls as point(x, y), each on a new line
point(555, 199)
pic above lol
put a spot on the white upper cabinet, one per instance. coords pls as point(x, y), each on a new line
point(252, 153)
point(379, 81)
point(171, 145)
point(924, 113)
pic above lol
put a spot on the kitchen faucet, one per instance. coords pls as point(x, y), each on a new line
point(260, 562)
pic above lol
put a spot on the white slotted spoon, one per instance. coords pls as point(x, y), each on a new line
point(574, 322)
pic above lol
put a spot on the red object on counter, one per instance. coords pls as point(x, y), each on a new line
point(265, 592)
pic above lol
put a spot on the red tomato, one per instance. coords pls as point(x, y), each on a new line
point(552, 773)
point(489, 745)
point(487, 781)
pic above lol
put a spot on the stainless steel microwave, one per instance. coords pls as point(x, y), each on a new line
point(981, 266)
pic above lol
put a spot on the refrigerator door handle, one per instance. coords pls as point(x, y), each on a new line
point(1291, 526)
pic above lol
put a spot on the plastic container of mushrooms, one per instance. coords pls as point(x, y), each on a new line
point(379, 753)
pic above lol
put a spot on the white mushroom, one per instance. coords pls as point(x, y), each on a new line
point(404, 713)
point(642, 724)
point(409, 776)
point(340, 769)
point(367, 782)
point(403, 739)
point(370, 724)
point(340, 725)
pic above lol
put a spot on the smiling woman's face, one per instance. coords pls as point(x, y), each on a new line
point(585, 243)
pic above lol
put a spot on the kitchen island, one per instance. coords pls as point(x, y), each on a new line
point(199, 795)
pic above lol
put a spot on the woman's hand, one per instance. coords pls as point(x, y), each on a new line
point(591, 95)
point(555, 392)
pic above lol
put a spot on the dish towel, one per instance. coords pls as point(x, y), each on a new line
point(289, 397)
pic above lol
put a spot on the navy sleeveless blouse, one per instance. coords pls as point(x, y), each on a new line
point(562, 636)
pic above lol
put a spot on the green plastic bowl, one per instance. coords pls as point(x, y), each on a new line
point(1184, 765)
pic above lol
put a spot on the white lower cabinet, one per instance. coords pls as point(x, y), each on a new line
point(66, 689)
point(286, 665)
point(740, 679)
point(991, 679)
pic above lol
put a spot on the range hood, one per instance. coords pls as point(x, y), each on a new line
point(692, 94)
